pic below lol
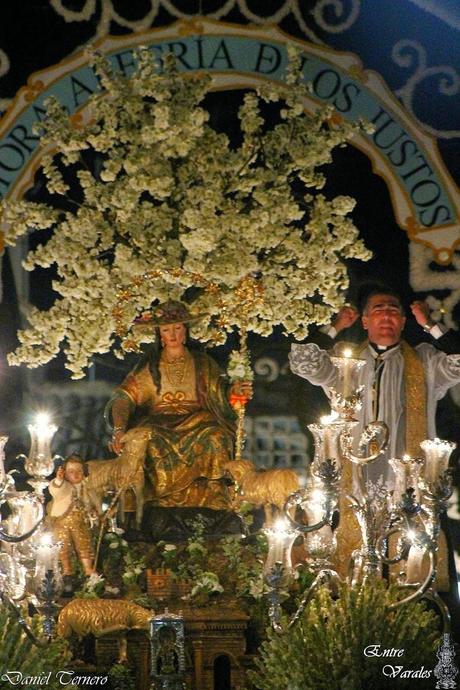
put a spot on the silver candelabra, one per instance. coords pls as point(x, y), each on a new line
point(29, 562)
point(401, 526)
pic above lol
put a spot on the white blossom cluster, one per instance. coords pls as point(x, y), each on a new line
point(169, 192)
point(206, 583)
point(239, 366)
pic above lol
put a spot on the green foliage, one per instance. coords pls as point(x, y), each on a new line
point(244, 565)
point(123, 564)
point(122, 678)
point(93, 587)
point(325, 650)
point(195, 564)
point(221, 572)
point(231, 566)
point(134, 567)
point(18, 653)
point(114, 549)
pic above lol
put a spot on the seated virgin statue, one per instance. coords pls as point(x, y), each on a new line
point(181, 397)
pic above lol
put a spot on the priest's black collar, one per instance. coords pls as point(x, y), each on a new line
point(381, 349)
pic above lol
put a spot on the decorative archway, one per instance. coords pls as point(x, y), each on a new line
point(424, 197)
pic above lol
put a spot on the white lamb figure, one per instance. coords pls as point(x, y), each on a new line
point(120, 474)
point(267, 488)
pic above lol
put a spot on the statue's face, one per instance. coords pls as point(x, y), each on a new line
point(383, 320)
point(74, 472)
point(173, 334)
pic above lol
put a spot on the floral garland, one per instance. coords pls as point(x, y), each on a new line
point(148, 201)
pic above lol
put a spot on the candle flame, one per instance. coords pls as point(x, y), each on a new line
point(280, 526)
point(46, 540)
point(347, 352)
point(42, 421)
point(317, 496)
point(329, 418)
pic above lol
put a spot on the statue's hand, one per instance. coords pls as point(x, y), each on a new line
point(93, 518)
point(116, 444)
point(241, 391)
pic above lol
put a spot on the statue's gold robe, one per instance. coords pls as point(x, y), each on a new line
point(192, 430)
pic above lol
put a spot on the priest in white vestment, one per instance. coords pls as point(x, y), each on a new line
point(402, 385)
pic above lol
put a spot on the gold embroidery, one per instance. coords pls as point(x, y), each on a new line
point(130, 388)
point(176, 403)
point(415, 400)
point(176, 369)
point(348, 532)
point(170, 397)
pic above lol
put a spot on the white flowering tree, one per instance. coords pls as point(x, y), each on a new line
point(161, 205)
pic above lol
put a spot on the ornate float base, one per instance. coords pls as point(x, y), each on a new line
point(215, 650)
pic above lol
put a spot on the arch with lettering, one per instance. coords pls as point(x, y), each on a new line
point(424, 196)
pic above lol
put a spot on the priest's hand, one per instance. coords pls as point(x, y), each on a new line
point(345, 318)
point(421, 312)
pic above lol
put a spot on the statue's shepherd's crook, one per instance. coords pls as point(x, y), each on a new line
point(124, 486)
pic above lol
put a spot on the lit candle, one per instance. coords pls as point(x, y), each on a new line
point(399, 468)
point(280, 539)
point(314, 507)
point(45, 432)
point(346, 399)
point(437, 454)
point(330, 432)
point(347, 353)
point(46, 554)
point(414, 565)
point(3, 440)
point(28, 517)
point(314, 510)
point(325, 422)
point(40, 463)
point(407, 475)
